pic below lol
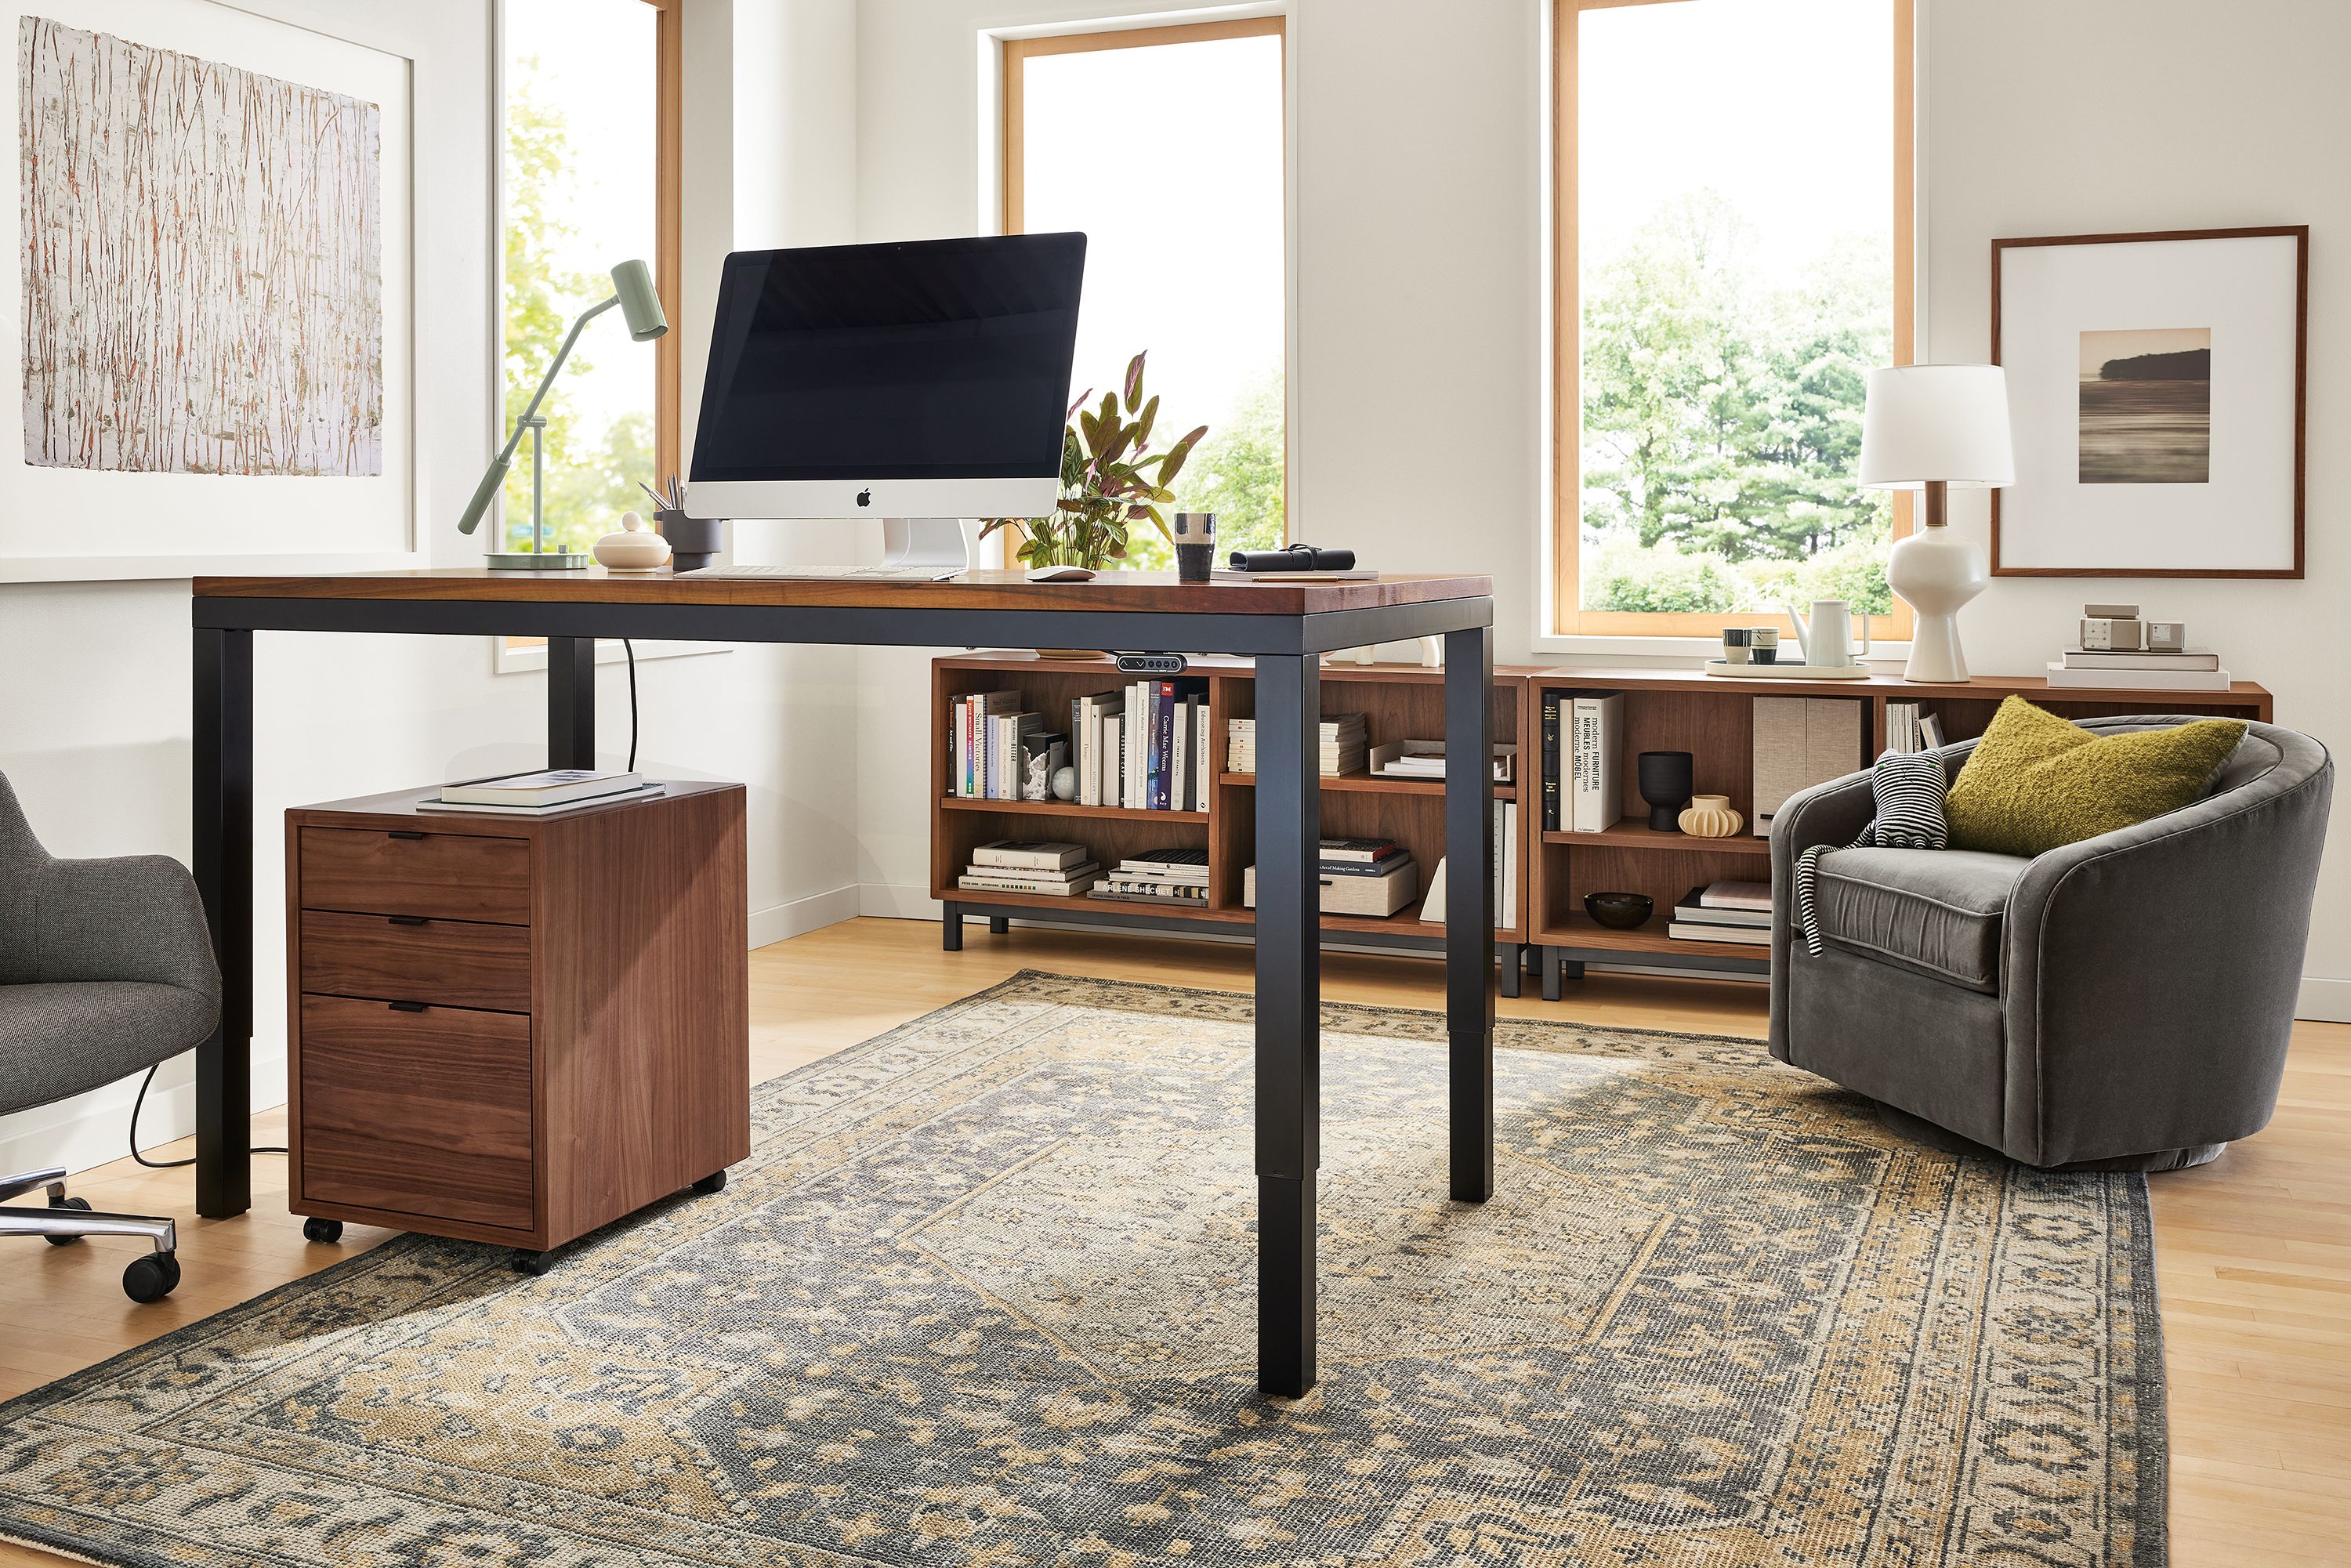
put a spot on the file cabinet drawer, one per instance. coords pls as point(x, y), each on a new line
point(424, 1112)
point(413, 958)
point(446, 876)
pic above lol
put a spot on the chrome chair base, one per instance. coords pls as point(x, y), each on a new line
point(147, 1279)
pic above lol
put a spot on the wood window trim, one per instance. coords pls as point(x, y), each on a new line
point(1012, 174)
point(669, 226)
point(1567, 318)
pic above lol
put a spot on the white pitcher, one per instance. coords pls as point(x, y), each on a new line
point(1826, 641)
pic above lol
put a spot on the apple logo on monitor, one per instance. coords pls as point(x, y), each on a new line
point(865, 497)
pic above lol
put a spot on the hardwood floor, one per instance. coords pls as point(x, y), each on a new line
point(2252, 1252)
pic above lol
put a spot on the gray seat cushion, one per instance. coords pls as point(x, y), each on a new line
point(66, 1037)
point(1939, 912)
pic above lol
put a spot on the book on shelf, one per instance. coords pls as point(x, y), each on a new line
point(1361, 851)
point(1342, 738)
point(2214, 680)
point(543, 787)
point(1596, 761)
point(1089, 714)
point(1110, 759)
point(1183, 864)
point(2123, 659)
point(1504, 872)
point(1694, 908)
point(1129, 890)
point(1376, 897)
point(967, 740)
point(1007, 735)
point(491, 808)
point(1930, 732)
point(1555, 706)
point(1029, 854)
point(1909, 729)
point(1743, 936)
point(1425, 760)
point(1745, 896)
point(1049, 884)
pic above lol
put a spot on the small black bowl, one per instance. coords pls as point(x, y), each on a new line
point(1620, 911)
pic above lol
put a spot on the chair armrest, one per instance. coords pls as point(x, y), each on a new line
point(1833, 814)
point(2149, 974)
point(133, 917)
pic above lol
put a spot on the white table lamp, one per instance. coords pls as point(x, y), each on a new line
point(1929, 427)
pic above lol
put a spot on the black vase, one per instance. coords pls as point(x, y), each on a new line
point(1666, 785)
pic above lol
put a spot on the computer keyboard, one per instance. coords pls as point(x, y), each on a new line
point(831, 573)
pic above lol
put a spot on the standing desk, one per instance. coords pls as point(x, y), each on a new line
point(1282, 626)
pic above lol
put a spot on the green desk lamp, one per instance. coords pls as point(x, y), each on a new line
point(632, 291)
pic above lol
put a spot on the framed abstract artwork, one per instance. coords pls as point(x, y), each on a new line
point(213, 302)
point(2156, 387)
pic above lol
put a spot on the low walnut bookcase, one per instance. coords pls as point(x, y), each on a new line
point(515, 1029)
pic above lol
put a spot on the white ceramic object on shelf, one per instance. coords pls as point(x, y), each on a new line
point(1826, 641)
point(633, 549)
point(1710, 817)
point(1936, 571)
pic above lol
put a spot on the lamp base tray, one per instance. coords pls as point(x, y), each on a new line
point(536, 561)
point(1729, 671)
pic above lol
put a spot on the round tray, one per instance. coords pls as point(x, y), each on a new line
point(1729, 671)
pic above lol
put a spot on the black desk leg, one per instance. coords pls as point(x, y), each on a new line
point(1288, 1015)
point(223, 834)
point(1469, 908)
point(571, 702)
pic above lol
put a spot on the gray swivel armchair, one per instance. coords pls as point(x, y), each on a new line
point(2122, 1003)
point(106, 968)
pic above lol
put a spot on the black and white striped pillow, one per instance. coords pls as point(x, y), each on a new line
point(1907, 789)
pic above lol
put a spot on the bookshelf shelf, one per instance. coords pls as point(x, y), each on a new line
point(1370, 784)
point(1062, 809)
point(1586, 932)
point(1634, 833)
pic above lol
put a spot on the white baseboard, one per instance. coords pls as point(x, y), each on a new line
point(896, 901)
point(2323, 1001)
point(92, 1129)
point(800, 915)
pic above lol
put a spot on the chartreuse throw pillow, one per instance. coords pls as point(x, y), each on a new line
point(2036, 781)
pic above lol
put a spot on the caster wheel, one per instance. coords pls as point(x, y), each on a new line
point(328, 1230)
point(715, 1182)
point(151, 1277)
point(80, 1203)
point(531, 1263)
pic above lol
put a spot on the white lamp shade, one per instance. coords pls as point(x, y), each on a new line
point(1936, 421)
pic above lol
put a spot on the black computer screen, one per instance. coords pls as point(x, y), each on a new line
point(929, 360)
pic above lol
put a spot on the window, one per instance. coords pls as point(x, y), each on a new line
point(1733, 255)
point(589, 180)
point(1164, 146)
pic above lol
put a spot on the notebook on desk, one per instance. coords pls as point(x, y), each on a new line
point(829, 573)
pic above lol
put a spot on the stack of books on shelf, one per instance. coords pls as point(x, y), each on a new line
point(1506, 881)
point(1738, 912)
point(1344, 745)
point(1582, 736)
point(1359, 877)
point(1425, 760)
point(1176, 876)
point(1013, 865)
point(1908, 729)
point(1144, 746)
point(997, 752)
point(2195, 670)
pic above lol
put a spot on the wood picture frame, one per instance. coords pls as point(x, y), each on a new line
point(2255, 483)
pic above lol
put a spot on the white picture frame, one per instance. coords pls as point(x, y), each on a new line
point(2156, 386)
point(84, 524)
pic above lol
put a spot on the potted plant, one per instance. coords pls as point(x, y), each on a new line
point(1110, 482)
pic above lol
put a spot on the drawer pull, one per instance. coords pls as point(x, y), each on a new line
point(405, 1006)
point(407, 919)
point(402, 833)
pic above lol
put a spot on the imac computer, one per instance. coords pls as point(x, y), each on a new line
point(919, 384)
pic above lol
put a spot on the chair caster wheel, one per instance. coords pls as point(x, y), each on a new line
point(531, 1263)
point(326, 1230)
point(715, 1182)
point(80, 1203)
point(151, 1277)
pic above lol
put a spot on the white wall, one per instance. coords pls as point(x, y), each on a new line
point(1419, 333)
point(94, 728)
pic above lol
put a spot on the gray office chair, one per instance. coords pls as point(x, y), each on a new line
point(106, 968)
point(2123, 1003)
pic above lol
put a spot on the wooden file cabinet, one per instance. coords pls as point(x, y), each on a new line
point(515, 1030)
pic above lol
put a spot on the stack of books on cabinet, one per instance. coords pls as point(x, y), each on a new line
point(1164, 785)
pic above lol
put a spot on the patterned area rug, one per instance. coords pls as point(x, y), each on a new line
point(982, 1295)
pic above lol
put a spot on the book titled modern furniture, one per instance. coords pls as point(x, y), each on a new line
point(1395, 701)
point(1714, 720)
point(515, 1029)
point(1283, 627)
point(2120, 1003)
point(106, 969)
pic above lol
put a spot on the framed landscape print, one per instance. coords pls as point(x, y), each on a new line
point(2156, 386)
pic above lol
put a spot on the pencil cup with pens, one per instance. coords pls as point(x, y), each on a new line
point(693, 542)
